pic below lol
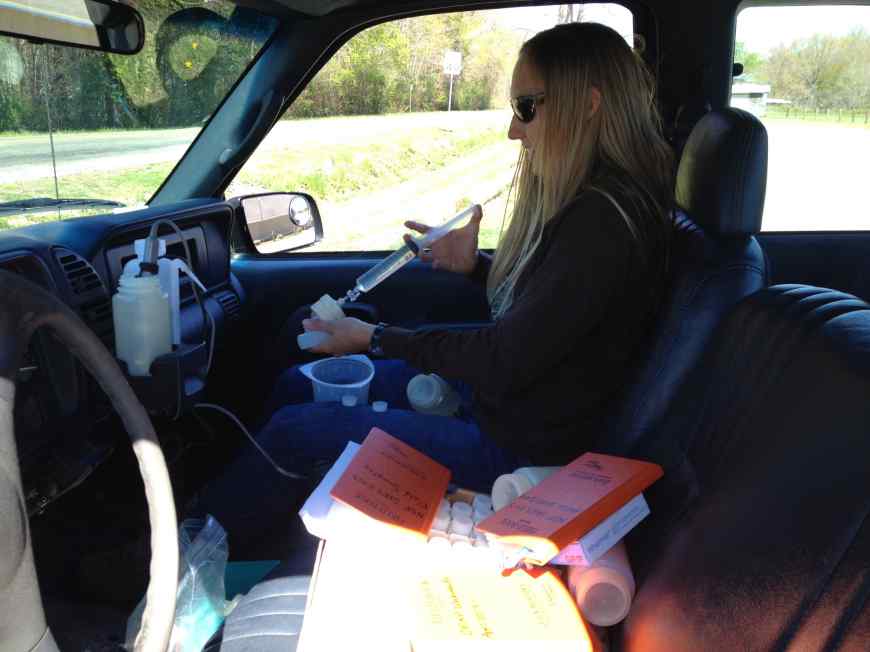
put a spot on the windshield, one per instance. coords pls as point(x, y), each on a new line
point(77, 124)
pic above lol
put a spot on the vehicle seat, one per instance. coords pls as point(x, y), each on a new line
point(715, 262)
point(759, 537)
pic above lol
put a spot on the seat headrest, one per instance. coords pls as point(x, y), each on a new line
point(723, 173)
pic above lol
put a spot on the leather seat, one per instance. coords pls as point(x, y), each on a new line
point(759, 537)
point(715, 262)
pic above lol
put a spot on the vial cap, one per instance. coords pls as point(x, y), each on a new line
point(348, 400)
point(379, 406)
point(460, 508)
point(461, 524)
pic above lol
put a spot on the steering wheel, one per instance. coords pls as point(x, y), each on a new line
point(24, 307)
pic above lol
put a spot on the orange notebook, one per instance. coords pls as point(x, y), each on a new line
point(569, 503)
point(393, 483)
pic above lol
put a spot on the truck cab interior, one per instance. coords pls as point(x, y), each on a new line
point(751, 394)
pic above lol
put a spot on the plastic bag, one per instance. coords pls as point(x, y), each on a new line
point(200, 602)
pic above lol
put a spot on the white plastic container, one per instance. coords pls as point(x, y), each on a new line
point(510, 486)
point(334, 378)
point(605, 589)
point(431, 394)
point(327, 309)
point(143, 330)
point(169, 272)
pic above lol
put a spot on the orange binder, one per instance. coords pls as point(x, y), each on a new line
point(569, 503)
point(393, 483)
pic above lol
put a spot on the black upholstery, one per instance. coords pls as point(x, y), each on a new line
point(759, 536)
point(711, 268)
point(723, 173)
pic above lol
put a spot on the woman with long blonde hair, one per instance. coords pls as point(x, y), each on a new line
point(573, 287)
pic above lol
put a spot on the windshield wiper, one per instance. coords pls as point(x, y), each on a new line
point(47, 204)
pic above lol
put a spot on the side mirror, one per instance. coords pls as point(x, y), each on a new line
point(280, 221)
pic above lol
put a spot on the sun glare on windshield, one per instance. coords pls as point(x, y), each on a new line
point(79, 125)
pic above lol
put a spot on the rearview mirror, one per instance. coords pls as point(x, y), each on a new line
point(96, 24)
point(281, 221)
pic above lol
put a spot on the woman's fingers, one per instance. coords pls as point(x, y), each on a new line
point(417, 226)
point(317, 325)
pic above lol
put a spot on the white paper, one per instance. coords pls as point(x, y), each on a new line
point(315, 511)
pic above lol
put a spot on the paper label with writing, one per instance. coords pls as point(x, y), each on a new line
point(393, 483)
point(569, 503)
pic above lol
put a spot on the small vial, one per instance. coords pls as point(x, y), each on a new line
point(379, 406)
point(444, 507)
point(461, 508)
point(482, 503)
point(441, 522)
point(461, 524)
point(481, 516)
point(348, 400)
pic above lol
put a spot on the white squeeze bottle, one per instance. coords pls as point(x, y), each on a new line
point(510, 486)
point(431, 394)
point(605, 589)
point(143, 329)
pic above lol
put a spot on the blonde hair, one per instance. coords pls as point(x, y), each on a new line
point(624, 135)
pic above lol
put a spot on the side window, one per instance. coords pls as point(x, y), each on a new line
point(409, 120)
point(806, 74)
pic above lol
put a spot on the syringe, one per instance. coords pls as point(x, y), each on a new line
point(401, 257)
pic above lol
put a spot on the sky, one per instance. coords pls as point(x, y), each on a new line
point(763, 28)
point(534, 19)
point(760, 28)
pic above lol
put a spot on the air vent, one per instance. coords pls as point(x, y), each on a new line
point(98, 315)
point(79, 274)
point(230, 303)
point(89, 296)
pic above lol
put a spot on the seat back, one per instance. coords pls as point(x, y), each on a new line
point(759, 537)
point(715, 262)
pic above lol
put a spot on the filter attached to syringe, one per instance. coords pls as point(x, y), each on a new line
point(404, 255)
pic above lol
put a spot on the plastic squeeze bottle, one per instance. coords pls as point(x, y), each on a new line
point(510, 486)
point(605, 589)
point(431, 394)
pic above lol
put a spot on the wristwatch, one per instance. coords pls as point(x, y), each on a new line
point(375, 343)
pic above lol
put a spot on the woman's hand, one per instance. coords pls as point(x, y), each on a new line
point(456, 251)
point(348, 335)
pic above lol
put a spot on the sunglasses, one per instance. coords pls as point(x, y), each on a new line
point(524, 106)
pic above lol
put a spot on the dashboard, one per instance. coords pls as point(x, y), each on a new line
point(58, 406)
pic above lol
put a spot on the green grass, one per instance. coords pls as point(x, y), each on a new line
point(337, 172)
point(130, 187)
point(332, 172)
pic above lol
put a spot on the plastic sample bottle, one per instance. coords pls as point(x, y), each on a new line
point(431, 394)
point(143, 329)
point(605, 589)
point(509, 486)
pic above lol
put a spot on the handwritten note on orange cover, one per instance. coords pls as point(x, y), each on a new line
point(569, 503)
point(393, 483)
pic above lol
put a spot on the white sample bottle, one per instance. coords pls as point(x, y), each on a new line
point(510, 486)
point(431, 394)
point(143, 329)
point(605, 589)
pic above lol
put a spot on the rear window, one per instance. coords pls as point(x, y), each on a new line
point(806, 75)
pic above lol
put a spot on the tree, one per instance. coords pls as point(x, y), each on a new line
point(752, 62)
point(570, 14)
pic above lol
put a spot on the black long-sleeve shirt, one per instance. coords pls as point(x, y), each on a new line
point(544, 373)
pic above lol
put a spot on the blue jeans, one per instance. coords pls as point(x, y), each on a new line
point(307, 437)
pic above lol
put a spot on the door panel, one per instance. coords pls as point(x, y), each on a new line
point(276, 287)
